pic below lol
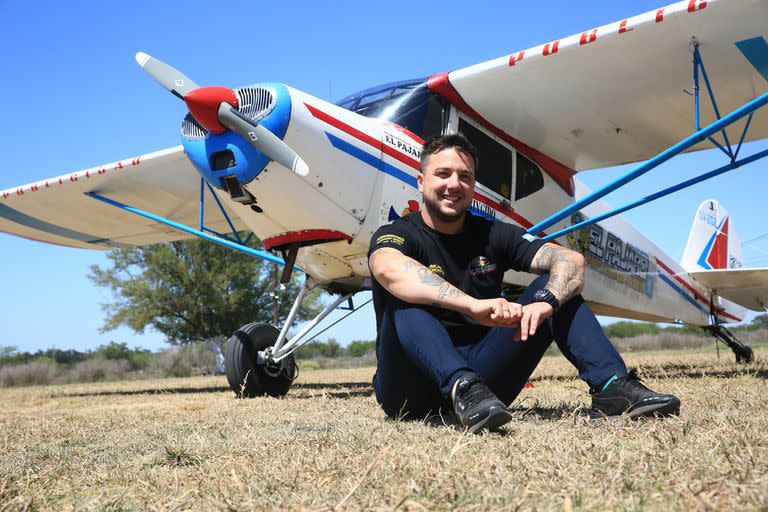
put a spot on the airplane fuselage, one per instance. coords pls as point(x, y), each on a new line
point(363, 174)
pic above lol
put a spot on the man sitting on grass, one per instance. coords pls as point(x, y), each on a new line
point(444, 333)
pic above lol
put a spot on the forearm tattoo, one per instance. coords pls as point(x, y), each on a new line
point(566, 276)
point(429, 278)
point(448, 290)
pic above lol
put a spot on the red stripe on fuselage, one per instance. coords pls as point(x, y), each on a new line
point(358, 134)
point(693, 290)
point(377, 144)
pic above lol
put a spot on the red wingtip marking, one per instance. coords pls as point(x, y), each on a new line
point(515, 57)
point(588, 36)
point(551, 48)
point(623, 27)
point(659, 15)
point(696, 5)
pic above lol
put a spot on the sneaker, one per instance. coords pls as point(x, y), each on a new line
point(476, 406)
point(625, 395)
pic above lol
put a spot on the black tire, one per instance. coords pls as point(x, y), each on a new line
point(246, 377)
point(744, 354)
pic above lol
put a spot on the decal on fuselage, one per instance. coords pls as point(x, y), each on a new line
point(412, 207)
point(482, 210)
point(403, 145)
point(608, 254)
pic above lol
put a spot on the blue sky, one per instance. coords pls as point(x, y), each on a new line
point(73, 97)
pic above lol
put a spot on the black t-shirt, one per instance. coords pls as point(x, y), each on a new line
point(474, 260)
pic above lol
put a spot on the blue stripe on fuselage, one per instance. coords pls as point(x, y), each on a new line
point(52, 229)
point(681, 292)
point(756, 52)
point(371, 160)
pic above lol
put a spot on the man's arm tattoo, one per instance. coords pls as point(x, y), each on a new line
point(566, 281)
point(566, 276)
point(429, 278)
point(542, 261)
point(448, 290)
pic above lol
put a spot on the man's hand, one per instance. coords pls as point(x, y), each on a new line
point(532, 316)
point(495, 312)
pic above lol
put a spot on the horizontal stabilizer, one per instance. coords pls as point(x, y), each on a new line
point(746, 287)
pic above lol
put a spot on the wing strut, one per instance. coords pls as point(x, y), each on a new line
point(217, 238)
point(701, 134)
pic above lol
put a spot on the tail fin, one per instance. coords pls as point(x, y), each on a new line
point(713, 242)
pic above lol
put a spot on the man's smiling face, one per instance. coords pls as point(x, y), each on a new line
point(447, 184)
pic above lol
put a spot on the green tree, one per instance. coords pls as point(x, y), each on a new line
point(360, 348)
point(627, 329)
point(194, 290)
point(760, 321)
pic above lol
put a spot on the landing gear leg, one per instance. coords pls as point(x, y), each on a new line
point(743, 353)
point(259, 358)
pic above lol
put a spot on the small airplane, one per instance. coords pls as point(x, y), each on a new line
point(313, 180)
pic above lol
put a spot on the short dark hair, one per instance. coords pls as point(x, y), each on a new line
point(437, 143)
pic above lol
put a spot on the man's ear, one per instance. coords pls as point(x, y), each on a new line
point(420, 181)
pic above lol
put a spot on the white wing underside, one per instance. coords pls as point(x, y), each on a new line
point(747, 287)
point(58, 211)
point(626, 96)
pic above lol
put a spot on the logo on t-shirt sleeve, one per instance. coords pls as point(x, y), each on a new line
point(390, 239)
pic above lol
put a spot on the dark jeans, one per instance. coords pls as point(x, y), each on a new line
point(418, 361)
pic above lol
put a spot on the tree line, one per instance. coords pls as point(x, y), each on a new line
point(625, 329)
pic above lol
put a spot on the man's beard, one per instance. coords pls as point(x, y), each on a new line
point(434, 211)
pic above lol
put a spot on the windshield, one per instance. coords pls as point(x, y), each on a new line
point(408, 103)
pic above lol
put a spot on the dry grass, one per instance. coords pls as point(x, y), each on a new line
point(189, 444)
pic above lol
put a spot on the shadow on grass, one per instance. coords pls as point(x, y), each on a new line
point(676, 371)
point(135, 392)
point(336, 390)
point(364, 389)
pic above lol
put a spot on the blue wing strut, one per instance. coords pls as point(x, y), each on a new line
point(217, 239)
point(699, 135)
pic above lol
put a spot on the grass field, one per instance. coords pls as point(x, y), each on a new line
point(181, 444)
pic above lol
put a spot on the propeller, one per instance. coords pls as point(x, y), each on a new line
point(215, 108)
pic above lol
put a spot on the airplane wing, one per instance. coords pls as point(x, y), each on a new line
point(58, 211)
point(623, 92)
point(746, 287)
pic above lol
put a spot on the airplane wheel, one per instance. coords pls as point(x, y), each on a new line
point(744, 354)
point(245, 376)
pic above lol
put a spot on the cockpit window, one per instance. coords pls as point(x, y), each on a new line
point(529, 178)
point(494, 164)
point(409, 104)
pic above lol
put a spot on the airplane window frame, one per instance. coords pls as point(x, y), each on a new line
point(521, 193)
point(454, 126)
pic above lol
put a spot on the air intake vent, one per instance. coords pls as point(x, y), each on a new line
point(256, 102)
point(192, 130)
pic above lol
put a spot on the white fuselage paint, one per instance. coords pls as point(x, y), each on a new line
point(360, 168)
